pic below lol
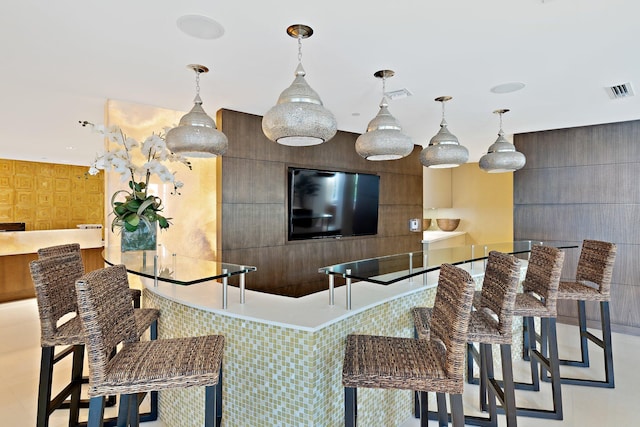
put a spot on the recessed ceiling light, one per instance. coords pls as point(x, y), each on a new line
point(200, 27)
point(507, 87)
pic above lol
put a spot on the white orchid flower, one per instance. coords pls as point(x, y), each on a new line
point(120, 159)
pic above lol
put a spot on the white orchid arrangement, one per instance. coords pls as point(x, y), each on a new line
point(138, 206)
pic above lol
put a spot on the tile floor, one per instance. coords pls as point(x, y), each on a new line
point(583, 406)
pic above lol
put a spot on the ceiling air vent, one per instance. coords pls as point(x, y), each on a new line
point(623, 90)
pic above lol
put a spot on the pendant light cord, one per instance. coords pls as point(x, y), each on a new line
point(197, 82)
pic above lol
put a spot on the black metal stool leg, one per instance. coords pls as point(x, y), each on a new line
point(486, 366)
point(47, 404)
point(554, 362)
point(123, 411)
point(210, 406)
point(443, 417)
point(549, 365)
point(604, 343)
point(350, 404)
point(526, 340)
point(96, 411)
point(76, 380)
point(486, 379)
point(44, 388)
point(457, 410)
point(508, 397)
point(584, 347)
point(424, 409)
point(472, 355)
point(532, 347)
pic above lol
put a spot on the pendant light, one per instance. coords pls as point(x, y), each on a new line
point(299, 119)
point(502, 155)
point(443, 150)
point(384, 139)
point(197, 135)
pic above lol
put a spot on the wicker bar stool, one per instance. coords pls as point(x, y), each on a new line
point(75, 248)
point(435, 365)
point(54, 281)
point(489, 324)
point(139, 366)
point(538, 299)
point(592, 283)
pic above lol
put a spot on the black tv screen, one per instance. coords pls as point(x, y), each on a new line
point(324, 204)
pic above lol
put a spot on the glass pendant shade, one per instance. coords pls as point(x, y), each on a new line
point(502, 155)
point(299, 118)
point(384, 139)
point(444, 150)
point(197, 135)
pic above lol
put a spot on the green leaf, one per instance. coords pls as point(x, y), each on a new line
point(131, 219)
point(133, 205)
point(149, 203)
point(162, 222)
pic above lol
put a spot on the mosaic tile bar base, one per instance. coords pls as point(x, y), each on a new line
point(281, 376)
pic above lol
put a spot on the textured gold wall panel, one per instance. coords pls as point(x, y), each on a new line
point(48, 196)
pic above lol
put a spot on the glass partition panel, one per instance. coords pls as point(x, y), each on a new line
point(393, 268)
point(172, 268)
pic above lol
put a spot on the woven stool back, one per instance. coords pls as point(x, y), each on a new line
point(104, 304)
point(450, 318)
point(54, 281)
point(499, 287)
point(69, 248)
point(543, 274)
point(595, 264)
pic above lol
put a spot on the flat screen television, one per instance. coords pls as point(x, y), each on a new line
point(330, 204)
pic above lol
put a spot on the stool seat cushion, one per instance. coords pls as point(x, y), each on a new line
point(580, 291)
point(397, 363)
point(156, 365)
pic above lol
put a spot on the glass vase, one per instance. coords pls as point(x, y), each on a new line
point(144, 238)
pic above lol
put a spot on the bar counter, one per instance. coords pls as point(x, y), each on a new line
point(18, 248)
point(283, 356)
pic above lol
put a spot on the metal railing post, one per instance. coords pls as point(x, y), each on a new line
point(155, 271)
point(242, 285)
point(486, 254)
point(410, 267)
point(473, 247)
point(424, 267)
point(332, 300)
point(348, 286)
point(225, 282)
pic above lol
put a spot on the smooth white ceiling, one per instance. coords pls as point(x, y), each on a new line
point(61, 60)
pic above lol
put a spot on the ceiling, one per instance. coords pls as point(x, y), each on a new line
point(61, 61)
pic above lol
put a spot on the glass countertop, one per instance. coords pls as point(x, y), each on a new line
point(172, 268)
point(393, 268)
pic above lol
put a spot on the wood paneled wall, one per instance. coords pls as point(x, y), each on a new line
point(582, 183)
point(254, 206)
